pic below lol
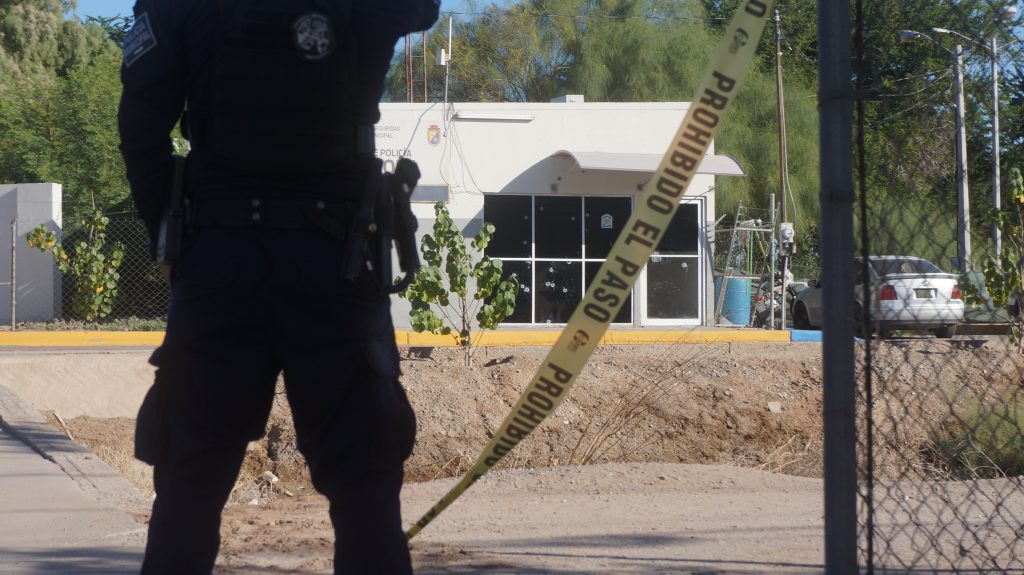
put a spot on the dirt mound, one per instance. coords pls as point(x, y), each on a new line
point(754, 405)
point(750, 405)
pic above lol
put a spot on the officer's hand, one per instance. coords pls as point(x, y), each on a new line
point(165, 272)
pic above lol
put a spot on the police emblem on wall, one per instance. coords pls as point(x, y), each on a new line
point(314, 39)
point(434, 134)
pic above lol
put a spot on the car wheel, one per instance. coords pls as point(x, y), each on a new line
point(800, 319)
point(945, 332)
point(884, 331)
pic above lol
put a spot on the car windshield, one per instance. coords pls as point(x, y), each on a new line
point(904, 266)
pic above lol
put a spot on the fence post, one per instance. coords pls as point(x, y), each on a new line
point(14, 282)
point(836, 196)
point(14, 276)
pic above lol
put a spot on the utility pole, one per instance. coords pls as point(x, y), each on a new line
point(962, 197)
point(1005, 14)
point(997, 237)
point(448, 61)
point(408, 68)
point(836, 195)
point(782, 112)
point(783, 161)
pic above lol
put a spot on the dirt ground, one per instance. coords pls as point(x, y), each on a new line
point(736, 426)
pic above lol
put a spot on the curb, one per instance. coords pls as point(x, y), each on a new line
point(89, 472)
point(805, 335)
point(144, 339)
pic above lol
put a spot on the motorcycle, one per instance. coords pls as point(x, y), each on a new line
point(768, 292)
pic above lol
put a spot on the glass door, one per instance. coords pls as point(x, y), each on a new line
point(674, 292)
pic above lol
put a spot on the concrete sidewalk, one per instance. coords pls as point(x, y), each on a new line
point(62, 510)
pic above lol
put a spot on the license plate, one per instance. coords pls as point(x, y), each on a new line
point(924, 293)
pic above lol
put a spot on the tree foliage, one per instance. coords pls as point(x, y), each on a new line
point(1004, 275)
point(37, 41)
point(116, 27)
point(910, 121)
point(59, 89)
point(64, 130)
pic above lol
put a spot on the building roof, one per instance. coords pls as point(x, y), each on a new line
point(718, 165)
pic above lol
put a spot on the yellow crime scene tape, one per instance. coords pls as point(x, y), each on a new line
point(611, 287)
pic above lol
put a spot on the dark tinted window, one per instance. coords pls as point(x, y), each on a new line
point(625, 314)
point(511, 218)
point(603, 219)
point(681, 237)
point(672, 288)
point(558, 229)
point(524, 302)
point(559, 288)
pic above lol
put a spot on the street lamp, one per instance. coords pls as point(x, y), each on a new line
point(1005, 14)
point(963, 250)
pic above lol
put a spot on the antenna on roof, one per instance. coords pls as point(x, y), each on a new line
point(445, 59)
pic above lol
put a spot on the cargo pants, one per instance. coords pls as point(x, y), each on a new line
point(246, 305)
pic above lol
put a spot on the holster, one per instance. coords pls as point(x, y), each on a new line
point(172, 227)
point(384, 218)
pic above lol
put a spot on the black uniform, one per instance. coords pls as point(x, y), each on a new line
point(281, 97)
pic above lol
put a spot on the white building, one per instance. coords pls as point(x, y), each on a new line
point(558, 180)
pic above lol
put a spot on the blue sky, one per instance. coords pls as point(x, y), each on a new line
point(124, 7)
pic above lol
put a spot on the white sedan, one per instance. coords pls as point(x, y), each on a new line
point(906, 293)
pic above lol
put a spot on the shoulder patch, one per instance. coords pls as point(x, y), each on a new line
point(314, 39)
point(139, 40)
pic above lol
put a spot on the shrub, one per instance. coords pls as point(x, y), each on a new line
point(439, 293)
point(93, 265)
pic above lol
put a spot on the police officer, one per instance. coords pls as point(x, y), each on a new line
point(280, 99)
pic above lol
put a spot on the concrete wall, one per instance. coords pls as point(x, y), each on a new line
point(38, 283)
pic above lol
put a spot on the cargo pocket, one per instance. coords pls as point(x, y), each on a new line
point(406, 422)
point(151, 429)
point(394, 421)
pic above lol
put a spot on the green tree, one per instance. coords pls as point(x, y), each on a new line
point(64, 130)
point(440, 294)
point(116, 27)
point(1004, 275)
point(909, 124)
point(36, 40)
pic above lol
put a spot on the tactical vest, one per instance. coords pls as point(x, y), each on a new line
point(283, 77)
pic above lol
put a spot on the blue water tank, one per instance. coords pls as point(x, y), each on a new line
point(736, 302)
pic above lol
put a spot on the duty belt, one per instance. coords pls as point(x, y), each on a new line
point(333, 217)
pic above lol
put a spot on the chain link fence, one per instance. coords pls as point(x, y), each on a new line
point(141, 298)
point(939, 373)
point(142, 292)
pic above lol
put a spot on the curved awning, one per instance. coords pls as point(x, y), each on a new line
point(718, 165)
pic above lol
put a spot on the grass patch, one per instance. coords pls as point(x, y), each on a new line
point(120, 324)
point(984, 441)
